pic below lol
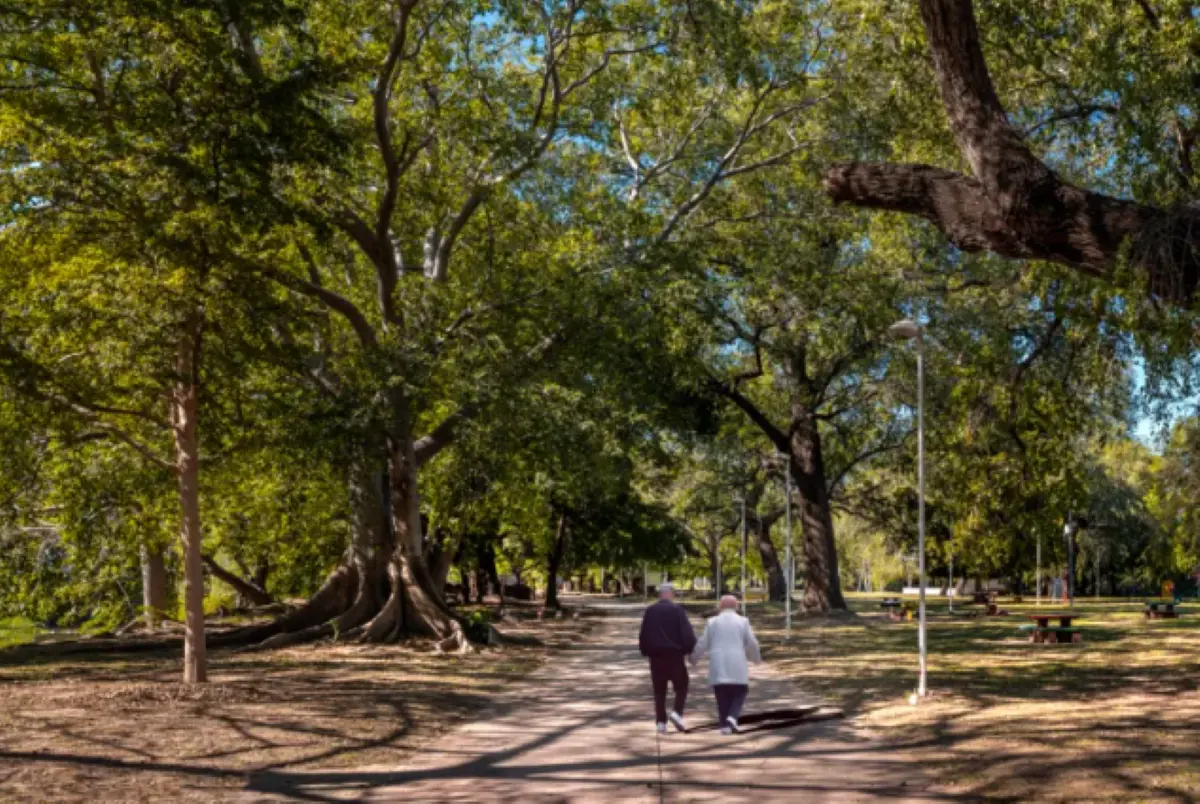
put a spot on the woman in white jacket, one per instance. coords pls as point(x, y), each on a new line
point(729, 643)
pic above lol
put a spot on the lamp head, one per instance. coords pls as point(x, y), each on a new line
point(905, 330)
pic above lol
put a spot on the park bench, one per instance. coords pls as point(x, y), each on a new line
point(1042, 633)
point(1161, 610)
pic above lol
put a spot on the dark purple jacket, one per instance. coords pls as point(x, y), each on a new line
point(666, 629)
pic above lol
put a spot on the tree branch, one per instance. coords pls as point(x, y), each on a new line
point(1016, 206)
point(334, 301)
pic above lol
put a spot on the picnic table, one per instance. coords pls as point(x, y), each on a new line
point(1041, 632)
point(898, 609)
point(1161, 610)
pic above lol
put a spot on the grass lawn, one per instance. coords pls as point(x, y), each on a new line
point(16, 631)
point(113, 727)
point(1114, 719)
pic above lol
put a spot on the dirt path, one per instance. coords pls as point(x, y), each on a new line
point(581, 729)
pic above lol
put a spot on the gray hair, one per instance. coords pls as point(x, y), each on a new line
point(666, 589)
point(729, 602)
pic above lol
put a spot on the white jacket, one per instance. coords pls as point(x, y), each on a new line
point(729, 642)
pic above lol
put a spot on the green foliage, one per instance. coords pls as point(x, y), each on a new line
point(593, 215)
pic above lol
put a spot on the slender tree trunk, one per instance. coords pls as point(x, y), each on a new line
point(443, 559)
point(475, 585)
point(555, 560)
point(154, 585)
point(261, 570)
point(822, 583)
point(487, 565)
point(187, 468)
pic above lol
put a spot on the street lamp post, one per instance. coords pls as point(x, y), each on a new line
point(1069, 535)
point(910, 330)
point(718, 552)
point(1038, 577)
point(950, 591)
point(791, 566)
point(744, 601)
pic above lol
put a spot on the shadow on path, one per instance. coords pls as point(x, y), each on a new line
point(581, 728)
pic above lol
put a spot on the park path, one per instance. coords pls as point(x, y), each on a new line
point(581, 729)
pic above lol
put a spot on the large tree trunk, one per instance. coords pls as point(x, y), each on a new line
point(554, 562)
point(154, 585)
point(1015, 205)
point(776, 582)
point(414, 606)
point(354, 591)
point(187, 468)
point(822, 583)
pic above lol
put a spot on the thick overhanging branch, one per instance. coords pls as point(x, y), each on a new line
point(1015, 206)
point(752, 411)
point(427, 447)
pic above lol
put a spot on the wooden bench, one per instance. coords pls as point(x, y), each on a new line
point(1161, 610)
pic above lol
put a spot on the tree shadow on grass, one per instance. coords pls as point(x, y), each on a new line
point(1109, 719)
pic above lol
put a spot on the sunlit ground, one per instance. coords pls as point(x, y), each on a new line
point(1115, 718)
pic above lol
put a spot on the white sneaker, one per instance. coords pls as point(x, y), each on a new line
point(662, 727)
point(733, 726)
point(726, 730)
point(677, 720)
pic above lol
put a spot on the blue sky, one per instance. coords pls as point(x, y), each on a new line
point(1148, 427)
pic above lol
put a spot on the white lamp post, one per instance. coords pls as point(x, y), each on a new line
point(911, 331)
point(742, 500)
point(791, 565)
point(951, 590)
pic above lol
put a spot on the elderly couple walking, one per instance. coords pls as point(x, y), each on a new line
point(667, 640)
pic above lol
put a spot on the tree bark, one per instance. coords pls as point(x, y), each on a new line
point(776, 582)
point(414, 606)
point(354, 591)
point(154, 585)
point(554, 562)
point(442, 558)
point(487, 565)
point(184, 410)
point(246, 590)
point(822, 583)
point(1015, 205)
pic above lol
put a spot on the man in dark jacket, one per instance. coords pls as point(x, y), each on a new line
point(667, 640)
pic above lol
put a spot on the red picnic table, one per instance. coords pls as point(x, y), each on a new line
point(1043, 632)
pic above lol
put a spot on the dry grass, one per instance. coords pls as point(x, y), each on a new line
point(112, 727)
point(1114, 719)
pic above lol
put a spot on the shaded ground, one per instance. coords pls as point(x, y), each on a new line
point(113, 727)
point(581, 729)
point(1114, 719)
